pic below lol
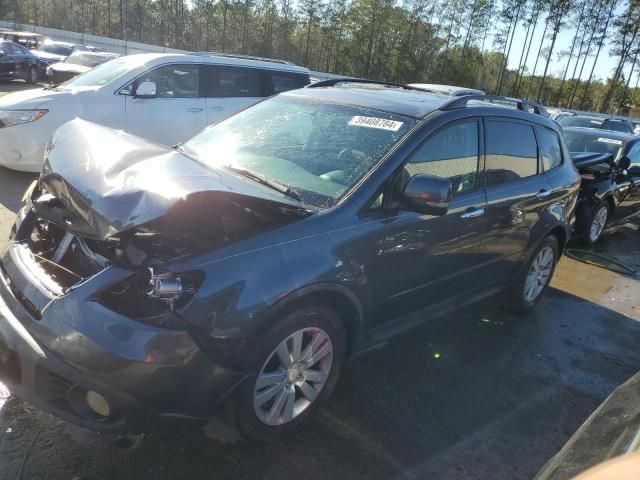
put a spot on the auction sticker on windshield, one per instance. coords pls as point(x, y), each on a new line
point(373, 122)
point(610, 140)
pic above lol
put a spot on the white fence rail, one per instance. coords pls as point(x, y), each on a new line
point(122, 47)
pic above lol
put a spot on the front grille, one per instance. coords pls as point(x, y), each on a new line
point(56, 254)
point(26, 303)
point(53, 387)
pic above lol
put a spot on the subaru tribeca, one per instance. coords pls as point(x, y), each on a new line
point(233, 274)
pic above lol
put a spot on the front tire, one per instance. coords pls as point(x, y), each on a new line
point(295, 368)
point(536, 275)
point(593, 219)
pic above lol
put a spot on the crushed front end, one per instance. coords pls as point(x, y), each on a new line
point(105, 310)
point(90, 329)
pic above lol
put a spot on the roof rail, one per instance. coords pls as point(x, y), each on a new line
point(524, 105)
point(334, 81)
point(244, 57)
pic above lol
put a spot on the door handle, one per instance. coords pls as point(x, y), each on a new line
point(476, 212)
point(216, 109)
point(194, 109)
point(543, 193)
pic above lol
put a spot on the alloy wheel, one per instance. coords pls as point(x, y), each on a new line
point(293, 376)
point(598, 223)
point(539, 274)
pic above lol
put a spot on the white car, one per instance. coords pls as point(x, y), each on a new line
point(450, 90)
point(166, 98)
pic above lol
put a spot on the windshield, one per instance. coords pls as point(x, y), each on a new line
point(616, 126)
point(580, 142)
point(85, 59)
point(318, 150)
point(55, 49)
point(101, 75)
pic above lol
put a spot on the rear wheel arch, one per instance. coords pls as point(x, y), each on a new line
point(612, 203)
point(561, 235)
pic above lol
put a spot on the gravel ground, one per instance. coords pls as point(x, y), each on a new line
point(474, 395)
point(16, 86)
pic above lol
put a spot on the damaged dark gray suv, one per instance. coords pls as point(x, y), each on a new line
point(232, 275)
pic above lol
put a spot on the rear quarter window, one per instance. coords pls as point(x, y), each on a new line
point(284, 81)
point(617, 126)
point(550, 148)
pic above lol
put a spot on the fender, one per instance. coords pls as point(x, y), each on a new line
point(356, 324)
point(533, 248)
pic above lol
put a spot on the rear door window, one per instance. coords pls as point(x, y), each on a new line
point(550, 149)
point(634, 154)
point(511, 152)
point(232, 82)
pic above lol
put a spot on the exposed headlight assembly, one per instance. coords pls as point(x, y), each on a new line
point(9, 118)
point(168, 287)
point(152, 296)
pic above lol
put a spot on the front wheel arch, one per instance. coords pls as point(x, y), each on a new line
point(333, 296)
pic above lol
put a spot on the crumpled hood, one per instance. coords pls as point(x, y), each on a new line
point(69, 67)
point(48, 57)
point(111, 181)
point(588, 159)
point(34, 98)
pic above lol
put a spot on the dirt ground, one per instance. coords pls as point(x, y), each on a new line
point(478, 394)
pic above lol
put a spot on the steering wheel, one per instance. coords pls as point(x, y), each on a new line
point(356, 155)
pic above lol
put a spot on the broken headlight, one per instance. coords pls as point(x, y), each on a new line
point(168, 287)
point(152, 296)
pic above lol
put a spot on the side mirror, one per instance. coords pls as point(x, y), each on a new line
point(427, 194)
point(634, 171)
point(146, 90)
point(2, 54)
point(624, 163)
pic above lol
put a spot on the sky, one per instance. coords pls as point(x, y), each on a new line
point(606, 62)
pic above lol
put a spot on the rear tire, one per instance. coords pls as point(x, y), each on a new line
point(295, 391)
point(536, 275)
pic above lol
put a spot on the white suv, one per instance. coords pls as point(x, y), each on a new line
point(166, 98)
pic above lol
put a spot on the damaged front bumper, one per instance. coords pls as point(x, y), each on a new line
point(57, 345)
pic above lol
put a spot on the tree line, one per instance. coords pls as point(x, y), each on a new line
point(459, 42)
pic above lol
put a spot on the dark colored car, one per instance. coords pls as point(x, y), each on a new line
point(612, 430)
point(585, 121)
point(28, 40)
point(609, 192)
point(51, 52)
point(75, 64)
point(235, 272)
point(16, 62)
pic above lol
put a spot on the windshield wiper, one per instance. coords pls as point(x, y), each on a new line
point(284, 189)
